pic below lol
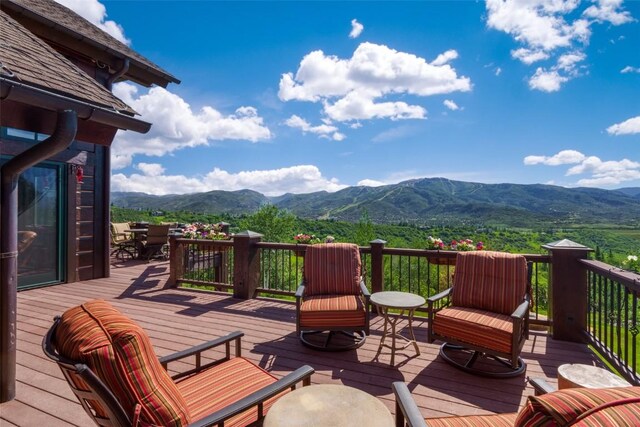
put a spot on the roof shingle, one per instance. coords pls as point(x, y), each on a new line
point(70, 22)
point(26, 59)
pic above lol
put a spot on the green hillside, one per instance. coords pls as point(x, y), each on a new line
point(425, 202)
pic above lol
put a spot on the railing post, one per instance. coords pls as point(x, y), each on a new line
point(176, 255)
point(377, 265)
point(568, 293)
point(246, 264)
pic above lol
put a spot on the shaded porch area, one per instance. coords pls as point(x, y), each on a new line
point(178, 318)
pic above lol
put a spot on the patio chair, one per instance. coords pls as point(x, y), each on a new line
point(484, 313)
point(578, 407)
point(123, 245)
point(156, 242)
point(332, 298)
point(110, 365)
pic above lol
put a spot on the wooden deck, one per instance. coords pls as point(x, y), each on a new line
point(178, 318)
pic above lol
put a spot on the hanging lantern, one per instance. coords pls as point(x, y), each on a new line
point(79, 174)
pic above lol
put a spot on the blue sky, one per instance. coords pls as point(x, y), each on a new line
point(307, 96)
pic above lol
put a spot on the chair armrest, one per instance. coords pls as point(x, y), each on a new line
point(364, 290)
point(521, 311)
point(300, 291)
point(438, 297)
point(164, 361)
point(540, 386)
point(406, 408)
point(288, 381)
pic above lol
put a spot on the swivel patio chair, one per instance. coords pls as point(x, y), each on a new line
point(577, 407)
point(484, 316)
point(123, 245)
point(110, 365)
point(332, 302)
point(156, 243)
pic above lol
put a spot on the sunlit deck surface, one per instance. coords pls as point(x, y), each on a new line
point(178, 318)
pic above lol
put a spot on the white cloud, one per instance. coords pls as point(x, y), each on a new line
point(564, 157)
point(498, 71)
point(546, 81)
point(630, 69)
point(451, 105)
point(176, 126)
point(628, 127)
point(349, 88)
point(151, 169)
point(607, 11)
point(274, 182)
point(325, 130)
point(602, 173)
point(356, 29)
point(370, 183)
point(96, 13)
point(568, 61)
point(536, 23)
point(445, 58)
point(529, 56)
point(358, 106)
point(547, 29)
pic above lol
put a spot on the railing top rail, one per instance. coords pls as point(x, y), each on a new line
point(627, 278)
point(204, 242)
point(429, 253)
point(296, 246)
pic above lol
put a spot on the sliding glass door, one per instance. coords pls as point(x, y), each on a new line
point(40, 226)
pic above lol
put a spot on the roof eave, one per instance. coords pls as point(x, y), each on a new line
point(20, 92)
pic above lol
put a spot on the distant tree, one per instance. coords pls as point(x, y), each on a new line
point(277, 225)
point(364, 232)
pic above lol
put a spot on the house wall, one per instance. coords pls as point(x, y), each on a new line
point(87, 207)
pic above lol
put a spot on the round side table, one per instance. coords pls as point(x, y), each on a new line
point(403, 301)
point(587, 376)
point(328, 405)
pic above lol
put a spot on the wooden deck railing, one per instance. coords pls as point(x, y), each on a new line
point(592, 301)
point(613, 317)
point(206, 263)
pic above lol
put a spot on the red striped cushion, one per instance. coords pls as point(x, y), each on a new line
point(120, 353)
point(495, 420)
point(493, 281)
point(326, 311)
point(332, 268)
point(224, 384)
point(622, 414)
point(473, 326)
point(564, 406)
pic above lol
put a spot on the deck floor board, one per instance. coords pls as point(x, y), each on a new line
point(179, 318)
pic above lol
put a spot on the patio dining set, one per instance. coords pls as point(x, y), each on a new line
point(481, 321)
point(141, 240)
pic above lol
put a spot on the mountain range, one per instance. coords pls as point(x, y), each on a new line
point(428, 201)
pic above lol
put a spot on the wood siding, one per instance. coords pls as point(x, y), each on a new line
point(86, 208)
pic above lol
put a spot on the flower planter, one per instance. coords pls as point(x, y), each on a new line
point(299, 252)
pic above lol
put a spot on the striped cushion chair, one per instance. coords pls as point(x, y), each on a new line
point(110, 365)
point(332, 298)
point(577, 407)
point(484, 313)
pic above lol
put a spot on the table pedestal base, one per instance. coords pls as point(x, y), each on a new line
point(390, 331)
